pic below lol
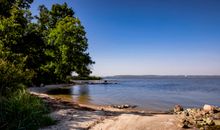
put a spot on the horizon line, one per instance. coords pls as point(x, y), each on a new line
point(161, 75)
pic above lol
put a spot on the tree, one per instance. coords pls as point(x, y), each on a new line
point(53, 47)
point(48, 18)
point(66, 39)
point(11, 31)
point(6, 5)
point(20, 41)
point(70, 45)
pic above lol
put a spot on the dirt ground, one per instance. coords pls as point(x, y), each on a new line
point(138, 122)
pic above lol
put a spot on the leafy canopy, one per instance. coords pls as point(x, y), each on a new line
point(52, 47)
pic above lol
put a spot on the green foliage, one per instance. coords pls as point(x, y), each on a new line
point(59, 12)
point(23, 111)
point(66, 41)
point(10, 33)
point(53, 47)
point(5, 6)
point(70, 44)
point(12, 77)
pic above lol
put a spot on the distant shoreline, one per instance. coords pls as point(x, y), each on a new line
point(163, 76)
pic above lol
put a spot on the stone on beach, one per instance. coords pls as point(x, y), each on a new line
point(123, 106)
point(208, 108)
point(217, 122)
point(217, 116)
point(207, 117)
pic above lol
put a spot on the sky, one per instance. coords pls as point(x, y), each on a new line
point(149, 37)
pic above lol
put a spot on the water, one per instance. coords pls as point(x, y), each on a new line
point(157, 93)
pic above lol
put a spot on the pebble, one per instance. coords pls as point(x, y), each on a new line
point(124, 106)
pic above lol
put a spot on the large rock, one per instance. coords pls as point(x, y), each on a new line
point(208, 108)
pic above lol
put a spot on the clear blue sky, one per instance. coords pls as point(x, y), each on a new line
point(167, 37)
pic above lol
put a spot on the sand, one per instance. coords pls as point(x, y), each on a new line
point(137, 122)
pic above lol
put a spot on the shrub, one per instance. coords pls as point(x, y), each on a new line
point(12, 77)
point(23, 111)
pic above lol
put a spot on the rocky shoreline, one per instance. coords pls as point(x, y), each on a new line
point(206, 118)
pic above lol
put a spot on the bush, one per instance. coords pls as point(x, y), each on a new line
point(12, 77)
point(23, 111)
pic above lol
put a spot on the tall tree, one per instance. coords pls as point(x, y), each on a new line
point(70, 45)
point(67, 40)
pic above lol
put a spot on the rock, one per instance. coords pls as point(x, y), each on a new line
point(211, 112)
point(183, 124)
point(124, 106)
point(200, 123)
point(218, 109)
point(217, 116)
point(217, 122)
point(198, 116)
point(208, 108)
point(183, 115)
point(201, 128)
point(207, 117)
point(177, 108)
point(209, 121)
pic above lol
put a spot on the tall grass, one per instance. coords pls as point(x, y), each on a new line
point(22, 111)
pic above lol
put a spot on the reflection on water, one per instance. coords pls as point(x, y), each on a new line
point(65, 93)
point(59, 91)
point(81, 93)
point(76, 93)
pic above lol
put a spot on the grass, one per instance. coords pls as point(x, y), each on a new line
point(22, 111)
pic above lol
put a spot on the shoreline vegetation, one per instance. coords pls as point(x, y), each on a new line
point(34, 51)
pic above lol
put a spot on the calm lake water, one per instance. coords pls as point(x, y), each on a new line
point(157, 93)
